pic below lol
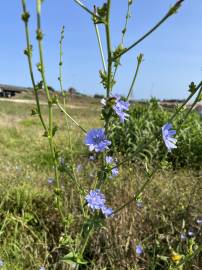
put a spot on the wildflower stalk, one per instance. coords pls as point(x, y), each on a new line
point(171, 12)
point(100, 44)
point(139, 61)
point(109, 50)
point(126, 21)
point(191, 107)
point(28, 52)
point(61, 64)
point(87, 9)
point(124, 31)
point(186, 101)
point(136, 196)
point(73, 175)
point(50, 109)
point(69, 116)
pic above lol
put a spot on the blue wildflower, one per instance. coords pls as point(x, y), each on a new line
point(107, 211)
point(139, 250)
point(51, 180)
point(96, 140)
point(115, 171)
point(1, 263)
point(167, 136)
point(42, 268)
point(95, 199)
point(109, 159)
point(120, 107)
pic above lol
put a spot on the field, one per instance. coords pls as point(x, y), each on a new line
point(30, 227)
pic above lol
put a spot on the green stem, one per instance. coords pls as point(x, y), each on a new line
point(69, 116)
point(100, 46)
point(50, 109)
point(168, 14)
point(87, 9)
point(190, 109)
point(136, 195)
point(126, 22)
point(139, 61)
point(123, 34)
point(29, 53)
point(60, 65)
point(109, 50)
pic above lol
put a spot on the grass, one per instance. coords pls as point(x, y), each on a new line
point(31, 229)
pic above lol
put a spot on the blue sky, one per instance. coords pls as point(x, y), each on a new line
point(172, 55)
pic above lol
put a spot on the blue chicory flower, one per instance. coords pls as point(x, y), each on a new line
point(109, 159)
point(139, 250)
point(51, 180)
point(167, 136)
point(115, 171)
point(96, 140)
point(120, 107)
point(95, 199)
point(42, 268)
point(107, 211)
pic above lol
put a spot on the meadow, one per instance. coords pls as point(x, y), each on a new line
point(164, 220)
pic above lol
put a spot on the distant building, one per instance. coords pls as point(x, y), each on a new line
point(10, 90)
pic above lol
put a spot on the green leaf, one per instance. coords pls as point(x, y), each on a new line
point(74, 258)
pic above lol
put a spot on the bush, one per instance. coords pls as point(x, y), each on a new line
point(145, 120)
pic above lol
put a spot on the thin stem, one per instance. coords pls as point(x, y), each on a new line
point(123, 34)
point(186, 101)
point(63, 110)
point(29, 57)
point(39, 38)
point(138, 193)
point(134, 198)
point(139, 61)
point(109, 50)
point(50, 109)
point(192, 106)
point(61, 63)
point(168, 14)
point(100, 46)
point(87, 9)
point(126, 22)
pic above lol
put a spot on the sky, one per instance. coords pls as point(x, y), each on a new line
point(172, 54)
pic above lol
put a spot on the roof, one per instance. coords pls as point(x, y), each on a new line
point(12, 88)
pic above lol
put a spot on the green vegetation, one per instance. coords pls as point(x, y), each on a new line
point(145, 121)
point(30, 226)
